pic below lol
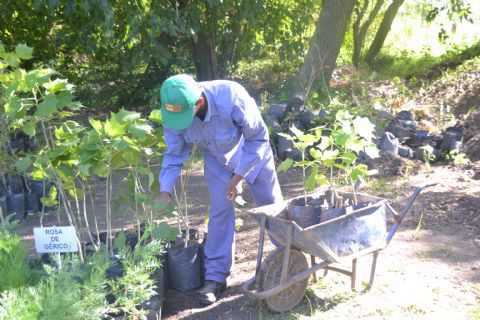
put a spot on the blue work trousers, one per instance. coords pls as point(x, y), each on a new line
point(265, 190)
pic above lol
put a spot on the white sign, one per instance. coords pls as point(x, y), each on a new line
point(55, 239)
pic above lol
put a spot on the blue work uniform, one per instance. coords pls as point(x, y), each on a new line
point(234, 140)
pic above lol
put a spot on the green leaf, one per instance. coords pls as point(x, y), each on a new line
point(66, 172)
point(355, 144)
point(64, 98)
point(84, 169)
point(39, 77)
point(100, 169)
point(325, 142)
point(330, 155)
point(151, 177)
point(120, 241)
point(30, 127)
point(321, 180)
point(117, 161)
point(124, 116)
point(156, 116)
point(38, 174)
point(97, 125)
point(23, 164)
point(48, 106)
point(164, 231)
point(13, 106)
point(348, 157)
point(75, 105)
point(340, 137)
point(364, 128)
point(311, 180)
point(76, 193)
point(285, 165)
point(56, 85)
point(316, 154)
point(51, 200)
point(23, 51)
point(132, 144)
point(12, 59)
point(140, 130)
point(358, 172)
point(132, 156)
point(113, 128)
point(343, 115)
point(296, 131)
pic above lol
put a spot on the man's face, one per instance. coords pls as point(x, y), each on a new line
point(199, 104)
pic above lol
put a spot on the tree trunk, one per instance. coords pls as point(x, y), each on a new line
point(382, 31)
point(360, 30)
point(324, 46)
point(205, 58)
point(204, 48)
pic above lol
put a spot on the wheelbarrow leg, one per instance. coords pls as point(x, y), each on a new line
point(314, 274)
point(286, 256)
point(263, 221)
point(372, 274)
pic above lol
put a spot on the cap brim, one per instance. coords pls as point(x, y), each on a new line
point(176, 120)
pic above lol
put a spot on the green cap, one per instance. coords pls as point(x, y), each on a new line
point(178, 96)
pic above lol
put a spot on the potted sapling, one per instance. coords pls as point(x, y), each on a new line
point(333, 161)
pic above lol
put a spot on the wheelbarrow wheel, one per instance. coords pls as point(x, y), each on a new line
point(271, 273)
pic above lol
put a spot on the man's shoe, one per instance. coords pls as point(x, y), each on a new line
point(211, 291)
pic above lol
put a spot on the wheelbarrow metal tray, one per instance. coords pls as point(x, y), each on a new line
point(336, 240)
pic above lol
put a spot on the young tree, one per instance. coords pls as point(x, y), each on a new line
point(361, 25)
point(382, 31)
point(324, 46)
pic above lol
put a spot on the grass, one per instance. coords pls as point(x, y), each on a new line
point(380, 185)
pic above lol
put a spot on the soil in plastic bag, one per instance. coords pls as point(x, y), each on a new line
point(337, 212)
point(31, 203)
point(185, 267)
point(16, 204)
point(3, 205)
point(304, 215)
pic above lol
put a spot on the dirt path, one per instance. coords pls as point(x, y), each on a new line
point(429, 273)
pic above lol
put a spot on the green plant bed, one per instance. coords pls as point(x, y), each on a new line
point(61, 286)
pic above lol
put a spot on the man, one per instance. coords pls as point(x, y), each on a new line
point(224, 120)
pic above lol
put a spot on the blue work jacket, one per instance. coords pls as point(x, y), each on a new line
point(233, 136)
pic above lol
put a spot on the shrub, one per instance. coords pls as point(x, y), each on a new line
point(14, 269)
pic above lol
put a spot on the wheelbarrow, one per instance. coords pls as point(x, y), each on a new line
point(282, 278)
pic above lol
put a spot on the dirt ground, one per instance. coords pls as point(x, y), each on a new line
point(431, 271)
point(427, 272)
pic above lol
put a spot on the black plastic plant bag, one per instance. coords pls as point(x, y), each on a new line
point(16, 203)
point(304, 215)
point(3, 205)
point(31, 203)
point(185, 267)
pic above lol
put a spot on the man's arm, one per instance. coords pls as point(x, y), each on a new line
point(247, 116)
point(173, 159)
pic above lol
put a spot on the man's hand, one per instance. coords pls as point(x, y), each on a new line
point(164, 197)
point(234, 187)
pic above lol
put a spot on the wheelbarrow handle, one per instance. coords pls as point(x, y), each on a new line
point(406, 209)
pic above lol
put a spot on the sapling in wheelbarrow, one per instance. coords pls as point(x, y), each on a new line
point(329, 158)
point(282, 277)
